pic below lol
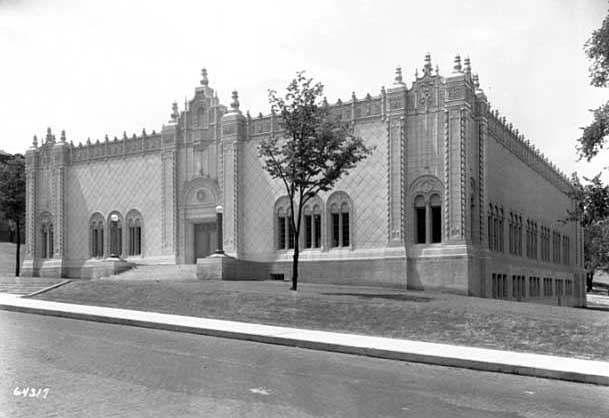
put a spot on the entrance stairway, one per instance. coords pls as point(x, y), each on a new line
point(158, 272)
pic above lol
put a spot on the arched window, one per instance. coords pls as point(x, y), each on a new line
point(340, 220)
point(428, 219)
point(115, 225)
point(134, 236)
point(46, 235)
point(312, 225)
point(284, 230)
point(96, 232)
point(420, 221)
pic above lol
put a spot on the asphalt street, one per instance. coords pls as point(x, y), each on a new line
point(55, 367)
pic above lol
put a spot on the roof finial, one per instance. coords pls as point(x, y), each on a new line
point(476, 81)
point(398, 76)
point(235, 103)
point(49, 138)
point(35, 142)
point(204, 80)
point(174, 111)
point(437, 70)
point(468, 67)
point(427, 68)
point(63, 137)
point(457, 66)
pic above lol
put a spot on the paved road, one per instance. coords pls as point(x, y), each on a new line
point(103, 370)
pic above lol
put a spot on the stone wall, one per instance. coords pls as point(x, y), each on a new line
point(114, 185)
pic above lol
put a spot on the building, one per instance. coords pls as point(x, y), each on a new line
point(452, 198)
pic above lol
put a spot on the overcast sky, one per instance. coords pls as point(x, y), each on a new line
point(104, 67)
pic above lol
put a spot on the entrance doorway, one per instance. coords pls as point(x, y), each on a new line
point(204, 239)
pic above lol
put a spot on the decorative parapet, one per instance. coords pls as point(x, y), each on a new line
point(505, 134)
point(116, 148)
point(354, 110)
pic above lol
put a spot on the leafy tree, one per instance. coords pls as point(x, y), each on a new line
point(12, 197)
point(594, 136)
point(313, 151)
point(592, 211)
point(593, 198)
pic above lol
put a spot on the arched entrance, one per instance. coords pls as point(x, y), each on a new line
point(199, 219)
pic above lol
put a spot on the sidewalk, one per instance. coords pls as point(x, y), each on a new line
point(584, 371)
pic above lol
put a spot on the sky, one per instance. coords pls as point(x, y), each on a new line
point(93, 68)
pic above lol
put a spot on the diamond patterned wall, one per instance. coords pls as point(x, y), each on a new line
point(117, 184)
point(366, 185)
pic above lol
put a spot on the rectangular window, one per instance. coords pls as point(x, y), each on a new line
point(281, 232)
point(308, 231)
point(50, 248)
point(317, 231)
point(515, 287)
point(345, 219)
point(494, 286)
point(335, 229)
point(138, 240)
point(421, 221)
point(436, 224)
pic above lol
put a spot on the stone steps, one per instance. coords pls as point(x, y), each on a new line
point(158, 272)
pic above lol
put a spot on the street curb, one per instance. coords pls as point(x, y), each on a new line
point(561, 368)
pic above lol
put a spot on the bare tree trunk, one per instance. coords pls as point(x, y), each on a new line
point(295, 266)
point(17, 255)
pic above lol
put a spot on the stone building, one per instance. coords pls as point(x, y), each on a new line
point(452, 198)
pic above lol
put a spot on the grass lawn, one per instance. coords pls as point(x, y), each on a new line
point(423, 316)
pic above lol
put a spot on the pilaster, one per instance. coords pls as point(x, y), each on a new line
point(31, 168)
point(457, 115)
point(233, 134)
point(169, 210)
point(395, 105)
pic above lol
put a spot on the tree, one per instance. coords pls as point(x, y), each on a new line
point(592, 211)
point(313, 151)
point(594, 136)
point(12, 197)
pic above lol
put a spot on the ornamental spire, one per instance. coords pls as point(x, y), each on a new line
point(204, 80)
point(457, 66)
point(235, 103)
point(427, 67)
point(398, 76)
point(467, 65)
point(35, 142)
point(175, 114)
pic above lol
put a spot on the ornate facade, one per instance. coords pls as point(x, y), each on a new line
point(452, 198)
